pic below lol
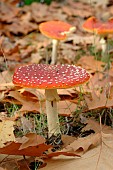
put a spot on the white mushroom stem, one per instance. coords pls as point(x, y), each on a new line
point(103, 43)
point(51, 109)
point(54, 51)
point(55, 44)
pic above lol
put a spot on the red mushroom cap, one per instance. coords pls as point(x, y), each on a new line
point(50, 76)
point(91, 24)
point(106, 28)
point(95, 26)
point(55, 29)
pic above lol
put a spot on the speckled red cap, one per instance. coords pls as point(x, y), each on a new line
point(55, 29)
point(92, 24)
point(106, 28)
point(44, 76)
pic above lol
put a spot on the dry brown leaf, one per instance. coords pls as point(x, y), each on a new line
point(8, 12)
point(24, 164)
point(98, 158)
point(89, 63)
point(31, 139)
point(27, 104)
point(9, 163)
point(98, 80)
point(39, 93)
point(97, 127)
point(100, 101)
point(13, 149)
point(81, 145)
point(78, 39)
point(66, 108)
point(74, 11)
point(67, 10)
point(102, 3)
point(9, 50)
point(67, 140)
point(30, 145)
point(66, 153)
point(67, 92)
point(6, 132)
point(36, 58)
point(5, 77)
point(96, 101)
point(21, 27)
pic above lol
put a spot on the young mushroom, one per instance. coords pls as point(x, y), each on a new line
point(50, 78)
point(103, 29)
point(56, 30)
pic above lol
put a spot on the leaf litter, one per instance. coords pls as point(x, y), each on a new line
point(21, 41)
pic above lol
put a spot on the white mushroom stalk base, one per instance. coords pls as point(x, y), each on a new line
point(54, 51)
point(51, 110)
point(105, 57)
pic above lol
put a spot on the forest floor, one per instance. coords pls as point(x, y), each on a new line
point(85, 113)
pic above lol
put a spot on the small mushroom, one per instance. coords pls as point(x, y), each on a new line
point(50, 78)
point(56, 30)
point(103, 29)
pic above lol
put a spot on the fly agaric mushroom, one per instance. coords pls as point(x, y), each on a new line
point(50, 78)
point(56, 30)
point(102, 29)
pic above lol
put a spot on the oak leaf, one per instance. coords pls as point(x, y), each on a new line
point(6, 132)
point(101, 101)
point(98, 157)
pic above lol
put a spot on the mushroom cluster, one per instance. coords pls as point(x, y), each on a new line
point(50, 78)
point(102, 29)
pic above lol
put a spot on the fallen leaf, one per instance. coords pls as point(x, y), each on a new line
point(7, 12)
point(39, 93)
point(101, 101)
point(66, 153)
point(67, 140)
point(21, 27)
point(86, 40)
point(5, 77)
point(81, 145)
point(89, 63)
point(27, 104)
point(97, 158)
point(32, 139)
point(74, 11)
point(97, 127)
point(13, 149)
point(31, 162)
point(66, 92)
point(6, 132)
point(66, 108)
point(102, 3)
